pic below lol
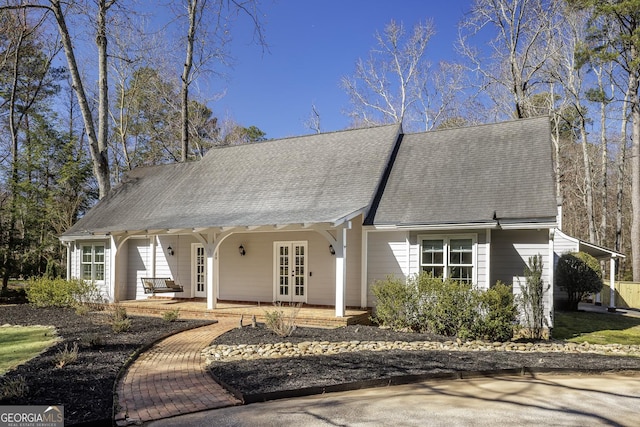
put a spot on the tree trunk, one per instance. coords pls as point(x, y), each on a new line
point(620, 169)
point(602, 235)
point(186, 76)
point(588, 181)
point(99, 157)
point(635, 177)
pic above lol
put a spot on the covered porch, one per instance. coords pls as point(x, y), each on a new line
point(308, 315)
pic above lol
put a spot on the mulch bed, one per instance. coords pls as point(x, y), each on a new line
point(258, 380)
point(85, 387)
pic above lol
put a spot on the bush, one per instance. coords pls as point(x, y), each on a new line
point(120, 322)
point(171, 315)
point(576, 276)
point(45, 292)
point(449, 307)
point(396, 304)
point(281, 323)
point(67, 356)
point(532, 299)
point(12, 388)
point(498, 313)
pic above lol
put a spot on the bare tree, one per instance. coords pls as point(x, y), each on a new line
point(313, 122)
point(615, 28)
point(206, 37)
point(390, 81)
point(517, 52)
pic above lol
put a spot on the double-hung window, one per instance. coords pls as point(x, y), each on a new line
point(449, 257)
point(92, 262)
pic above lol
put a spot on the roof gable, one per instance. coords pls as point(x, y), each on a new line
point(472, 175)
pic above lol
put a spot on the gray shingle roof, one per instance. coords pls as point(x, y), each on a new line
point(465, 175)
point(308, 179)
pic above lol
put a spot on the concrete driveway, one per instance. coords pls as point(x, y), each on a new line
point(559, 400)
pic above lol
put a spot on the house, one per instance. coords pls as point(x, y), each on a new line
point(317, 219)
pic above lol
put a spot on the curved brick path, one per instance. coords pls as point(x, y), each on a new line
point(171, 379)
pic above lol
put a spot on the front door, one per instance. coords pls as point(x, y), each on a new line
point(199, 270)
point(290, 271)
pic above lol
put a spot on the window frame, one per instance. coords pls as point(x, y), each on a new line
point(446, 254)
point(93, 263)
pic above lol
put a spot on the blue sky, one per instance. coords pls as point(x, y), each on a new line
point(312, 45)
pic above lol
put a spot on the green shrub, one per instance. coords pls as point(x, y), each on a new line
point(577, 278)
point(449, 307)
point(531, 299)
point(171, 315)
point(395, 304)
point(120, 322)
point(45, 292)
point(498, 313)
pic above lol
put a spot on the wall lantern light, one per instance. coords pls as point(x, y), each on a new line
point(241, 250)
point(170, 251)
point(333, 251)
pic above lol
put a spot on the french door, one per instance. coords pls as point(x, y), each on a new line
point(290, 271)
point(199, 270)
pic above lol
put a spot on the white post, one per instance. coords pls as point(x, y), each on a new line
point(153, 240)
point(551, 268)
point(487, 260)
point(341, 270)
point(363, 268)
point(68, 245)
point(210, 275)
point(112, 269)
point(612, 285)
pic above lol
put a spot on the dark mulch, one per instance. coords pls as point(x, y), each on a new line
point(85, 387)
point(273, 378)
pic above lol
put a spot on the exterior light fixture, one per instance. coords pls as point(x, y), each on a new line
point(170, 251)
point(333, 251)
point(241, 250)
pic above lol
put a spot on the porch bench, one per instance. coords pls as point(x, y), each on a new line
point(157, 285)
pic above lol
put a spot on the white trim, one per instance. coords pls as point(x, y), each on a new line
point(551, 267)
point(436, 227)
point(364, 257)
point(487, 256)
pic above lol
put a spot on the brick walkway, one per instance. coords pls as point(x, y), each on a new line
point(170, 379)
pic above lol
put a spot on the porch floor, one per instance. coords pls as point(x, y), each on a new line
point(197, 309)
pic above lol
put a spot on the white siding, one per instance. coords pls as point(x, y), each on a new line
point(250, 277)
point(176, 266)
point(388, 254)
point(510, 253)
point(139, 263)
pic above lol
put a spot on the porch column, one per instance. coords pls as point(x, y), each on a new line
point(612, 285)
point(341, 269)
point(210, 275)
point(113, 271)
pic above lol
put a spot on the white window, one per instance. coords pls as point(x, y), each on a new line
point(92, 262)
point(449, 257)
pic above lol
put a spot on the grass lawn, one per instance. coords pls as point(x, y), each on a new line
point(21, 343)
point(596, 328)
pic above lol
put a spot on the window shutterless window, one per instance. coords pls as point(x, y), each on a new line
point(92, 262)
point(448, 256)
